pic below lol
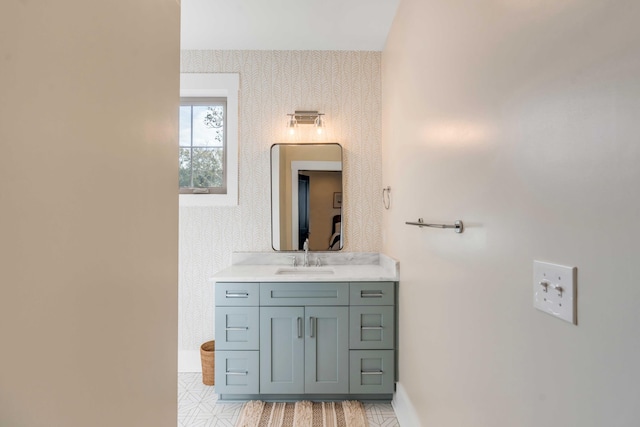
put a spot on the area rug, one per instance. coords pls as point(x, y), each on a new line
point(302, 414)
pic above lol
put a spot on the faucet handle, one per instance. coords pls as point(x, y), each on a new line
point(318, 262)
point(294, 260)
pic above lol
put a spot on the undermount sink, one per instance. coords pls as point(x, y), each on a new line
point(295, 271)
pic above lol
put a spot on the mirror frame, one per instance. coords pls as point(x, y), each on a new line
point(329, 165)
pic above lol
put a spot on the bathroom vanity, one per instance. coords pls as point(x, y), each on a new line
point(324, 333)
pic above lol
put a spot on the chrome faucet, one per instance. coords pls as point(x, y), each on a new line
point(305, 246)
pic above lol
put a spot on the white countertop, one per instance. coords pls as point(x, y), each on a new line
point(344, 267)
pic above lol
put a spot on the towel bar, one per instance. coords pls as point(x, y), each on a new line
point(458, 226)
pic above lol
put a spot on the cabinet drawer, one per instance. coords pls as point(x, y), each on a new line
point(371, 327)
point(371, 371)
point(307, 293)
point(237, 372)
point(237, 294)
point(372, 293)
point(237, 328)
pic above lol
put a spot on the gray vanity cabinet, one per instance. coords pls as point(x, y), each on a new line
point(282, 340)
point(237, 338)
point(372, 337)
point(304, 348)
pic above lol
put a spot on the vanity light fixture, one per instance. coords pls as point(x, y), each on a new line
point(306, 118)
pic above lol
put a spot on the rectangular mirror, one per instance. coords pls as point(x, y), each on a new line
point(306, 197)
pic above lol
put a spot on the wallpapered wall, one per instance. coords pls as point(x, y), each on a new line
point(346, 86)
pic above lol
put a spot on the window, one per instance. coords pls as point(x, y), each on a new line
point(209, 139)
point(203, 145)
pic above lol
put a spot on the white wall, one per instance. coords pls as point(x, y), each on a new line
point(88, 212)
point(346, 87)
point(520, 118)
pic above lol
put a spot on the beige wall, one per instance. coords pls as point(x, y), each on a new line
point(88, 218)
point(346, 87)
point(521, 118)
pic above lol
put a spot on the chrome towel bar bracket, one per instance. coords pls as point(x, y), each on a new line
point(386, 197)
point(458, 226)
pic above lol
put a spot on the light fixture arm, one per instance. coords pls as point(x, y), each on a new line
point(306, 117)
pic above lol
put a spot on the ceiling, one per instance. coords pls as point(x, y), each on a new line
point(286, 24)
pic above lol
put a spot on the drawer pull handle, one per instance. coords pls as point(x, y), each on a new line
point(299, 327)
point(237, 295)
point(239, 328)
point(371, 372)
point(243, 373)
point(369, 295)
point(371, 328)
point(312, 326)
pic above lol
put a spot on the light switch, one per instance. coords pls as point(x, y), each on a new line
point(554, 290)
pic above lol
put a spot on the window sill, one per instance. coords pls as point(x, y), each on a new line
point(208, 200)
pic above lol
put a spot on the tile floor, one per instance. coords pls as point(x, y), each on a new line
point(198, 406)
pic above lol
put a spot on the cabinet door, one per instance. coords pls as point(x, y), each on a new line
point(327, 350)
point(372, 327)
point(281, 350)
point(372, 371)
point(237, 328)
point(236, 372)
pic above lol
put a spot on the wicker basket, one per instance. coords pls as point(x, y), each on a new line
point(207, 355)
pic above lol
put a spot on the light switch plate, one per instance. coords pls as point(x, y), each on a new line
point(554, 290)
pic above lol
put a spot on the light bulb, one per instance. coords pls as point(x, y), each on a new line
point(291, 124)
point(319, 124)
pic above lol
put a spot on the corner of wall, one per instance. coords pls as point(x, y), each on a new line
point(405, 412)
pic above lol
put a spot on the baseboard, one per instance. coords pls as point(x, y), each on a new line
point(189, 361)
point(405, 412)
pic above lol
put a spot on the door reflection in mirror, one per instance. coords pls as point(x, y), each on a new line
point(305, 179)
